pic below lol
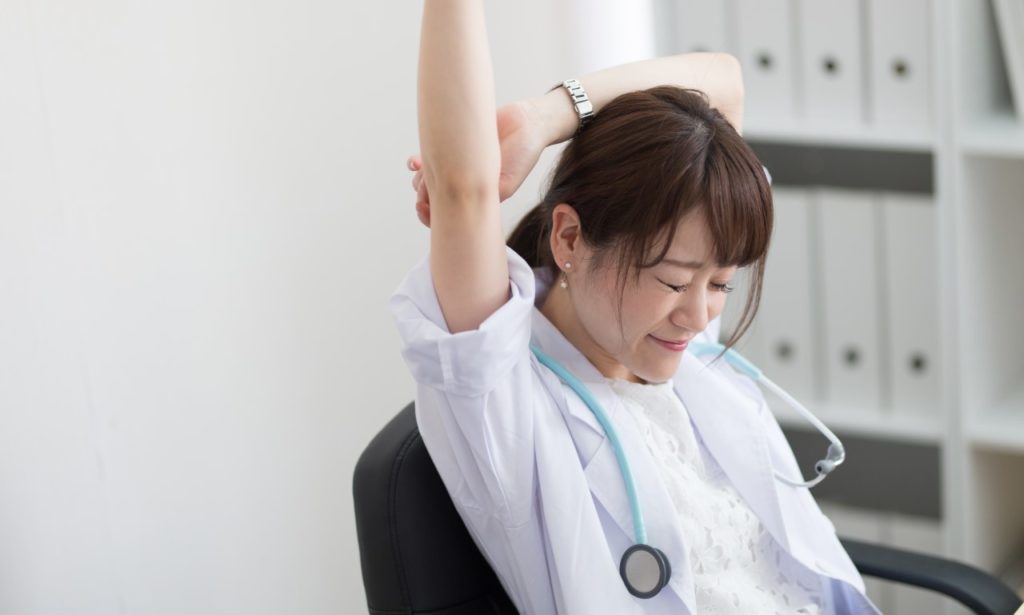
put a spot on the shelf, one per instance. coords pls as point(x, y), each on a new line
point(999, 136)
point(834, 134)
point(1002, 428)
point(903, 427)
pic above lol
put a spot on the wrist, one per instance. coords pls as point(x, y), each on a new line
point(556, 115)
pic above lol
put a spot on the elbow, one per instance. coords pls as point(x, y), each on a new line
point(462, 185)
point(732, 75)
point(463, 189)
point(729, 91)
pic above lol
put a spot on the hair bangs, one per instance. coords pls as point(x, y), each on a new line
point(738, 205)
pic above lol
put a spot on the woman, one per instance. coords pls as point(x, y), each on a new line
point(652, 208)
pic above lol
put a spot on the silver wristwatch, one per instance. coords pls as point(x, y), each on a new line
point(580, 102)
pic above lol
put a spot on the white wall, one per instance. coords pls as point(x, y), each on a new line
point(204, 207)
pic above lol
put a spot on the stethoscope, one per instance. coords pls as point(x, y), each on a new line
point(645, 569)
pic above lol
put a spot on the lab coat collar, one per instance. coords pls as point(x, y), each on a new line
point(729, 422)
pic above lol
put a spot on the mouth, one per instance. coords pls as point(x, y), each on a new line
point(674, 346)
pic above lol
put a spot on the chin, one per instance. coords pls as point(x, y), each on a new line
point(660, 373)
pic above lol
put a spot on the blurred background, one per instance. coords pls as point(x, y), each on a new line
point(204, 208)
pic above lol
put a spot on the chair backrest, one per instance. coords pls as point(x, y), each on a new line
point(415, 551)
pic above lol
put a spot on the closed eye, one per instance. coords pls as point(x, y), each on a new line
point(675, 288)
point(725, 288)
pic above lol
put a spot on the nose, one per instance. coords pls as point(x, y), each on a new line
point(692, 311)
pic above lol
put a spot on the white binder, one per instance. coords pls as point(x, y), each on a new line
point(868, 526)
point(830, 52)
point(899, 67)
point(911, 302)
point(849, 266)
point(924, 536)
point(764, 46)
point(787, 311)
point(702, 25)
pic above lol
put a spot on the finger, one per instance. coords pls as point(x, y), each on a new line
point(423, 213)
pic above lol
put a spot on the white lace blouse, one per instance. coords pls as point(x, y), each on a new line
point(737, 565)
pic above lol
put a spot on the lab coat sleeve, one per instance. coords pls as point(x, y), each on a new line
point(476, 391)
point(468, 363)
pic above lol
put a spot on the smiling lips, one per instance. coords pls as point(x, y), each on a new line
point(673, 346)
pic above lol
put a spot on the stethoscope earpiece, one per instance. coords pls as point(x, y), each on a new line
point(645, 570)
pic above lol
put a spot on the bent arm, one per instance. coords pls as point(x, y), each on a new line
point(716, 74)
point(461, 162)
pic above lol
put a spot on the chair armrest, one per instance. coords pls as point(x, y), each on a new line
point(974, 588)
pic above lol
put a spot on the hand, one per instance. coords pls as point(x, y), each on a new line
point(522, 139)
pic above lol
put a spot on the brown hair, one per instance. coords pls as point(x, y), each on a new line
point(644, 162)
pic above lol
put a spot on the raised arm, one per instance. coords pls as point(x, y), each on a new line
point(461, 162)
point(528, 126)
point(716, 74)
point(457, 176)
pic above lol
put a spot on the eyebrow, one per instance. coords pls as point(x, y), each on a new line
point(684, 264)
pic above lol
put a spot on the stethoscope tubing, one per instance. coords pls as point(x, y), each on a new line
point(627, 474)
point(641, 559)
point(836, 453)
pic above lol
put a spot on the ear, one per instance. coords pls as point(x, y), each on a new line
point(566, 242)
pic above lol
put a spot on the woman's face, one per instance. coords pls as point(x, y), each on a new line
point(672, 302)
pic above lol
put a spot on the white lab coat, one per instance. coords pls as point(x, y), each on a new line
point(536, 481)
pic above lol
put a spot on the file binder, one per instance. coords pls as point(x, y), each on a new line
point(911, 302)
point(849, 266)
point(764, 46)
point(787, 311)
point(900, 72)
point(923, 535)
point(702, 25)
point(866, 525)
point(832, 70)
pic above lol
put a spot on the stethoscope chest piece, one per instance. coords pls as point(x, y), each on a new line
point(645, 570)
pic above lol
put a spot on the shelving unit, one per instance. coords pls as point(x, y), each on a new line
point(904, 428)
point(995, 136)
point(811, 134)
point(988, 206)
point(976, 146)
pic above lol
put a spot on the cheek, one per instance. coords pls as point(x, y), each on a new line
point(646, 313)
point(597, 311)
point(717, 305)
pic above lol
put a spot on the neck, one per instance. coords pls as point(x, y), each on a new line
point(558, 308)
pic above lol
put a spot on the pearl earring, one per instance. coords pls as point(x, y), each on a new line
point(565, 280)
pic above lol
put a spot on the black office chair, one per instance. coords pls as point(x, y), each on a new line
point(418, 557)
